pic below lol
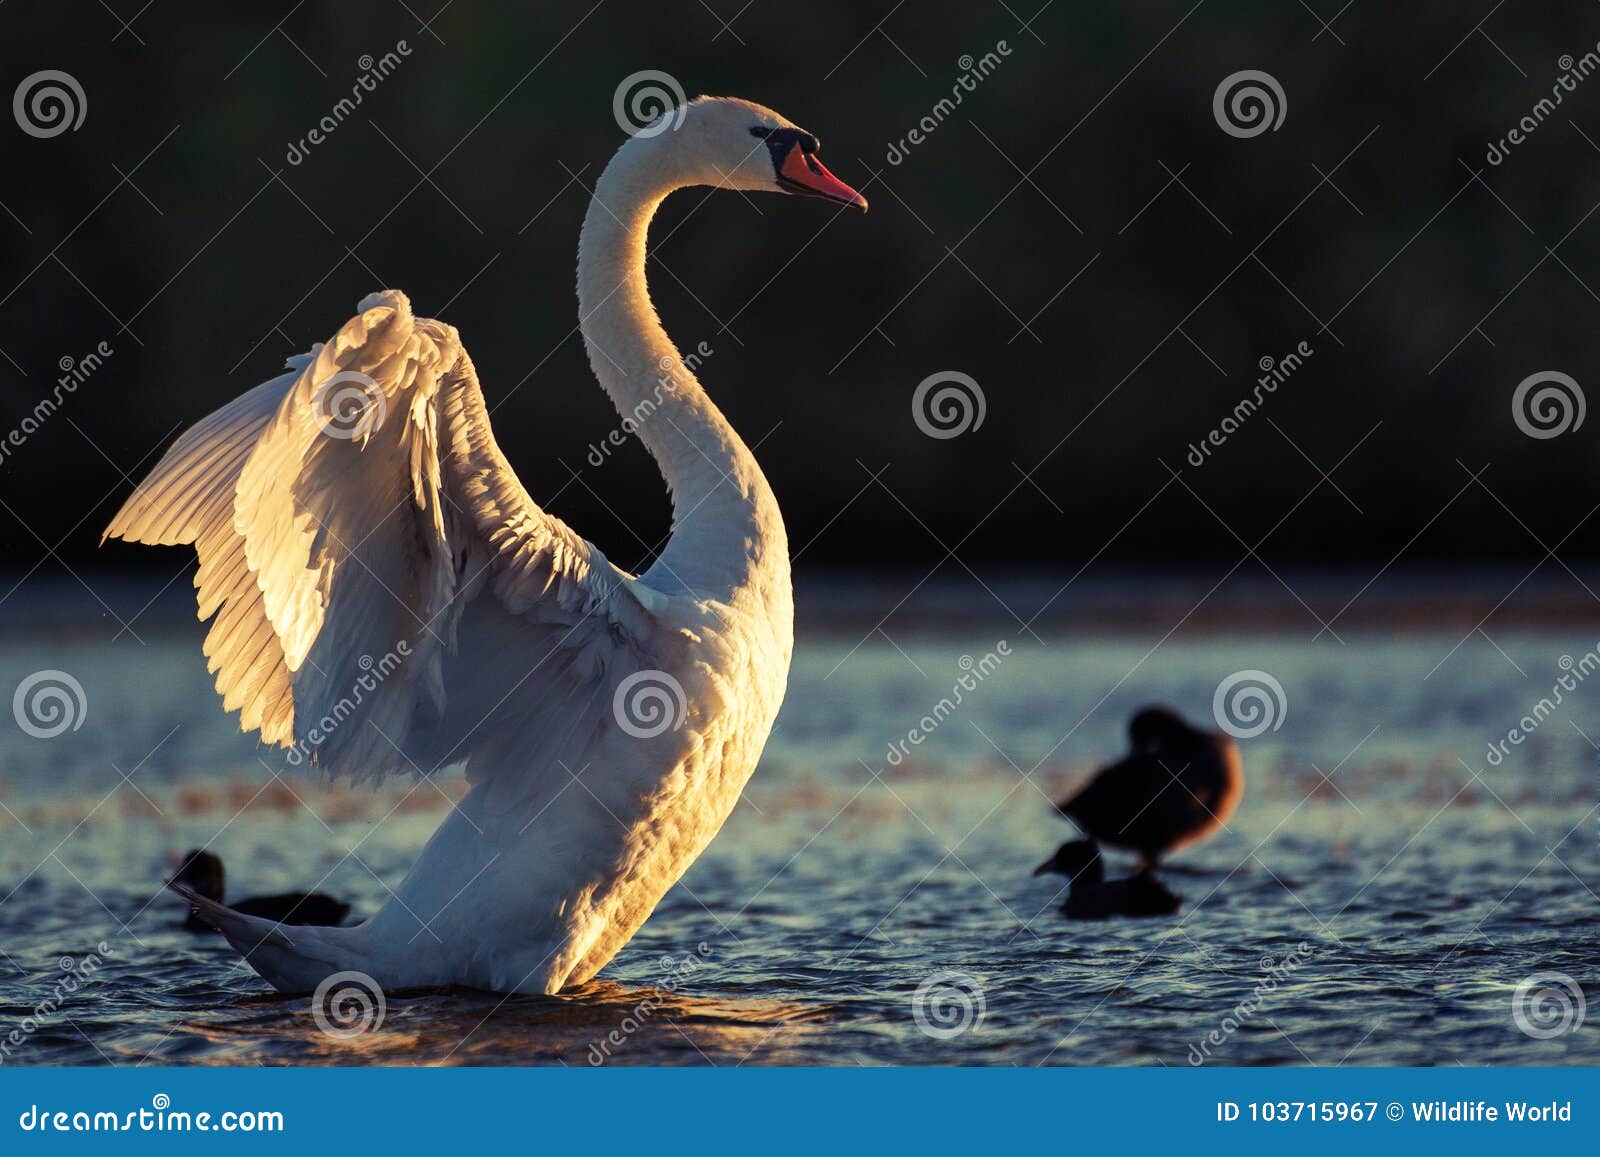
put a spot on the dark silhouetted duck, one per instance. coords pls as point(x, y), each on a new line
point(201, 872)
point(1176, 787)
point(1093, 897)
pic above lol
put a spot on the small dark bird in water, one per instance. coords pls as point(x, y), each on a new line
point(1093, 897)
point(202, 873)
point(1176, 787)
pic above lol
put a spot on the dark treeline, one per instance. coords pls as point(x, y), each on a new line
point(1415, 290)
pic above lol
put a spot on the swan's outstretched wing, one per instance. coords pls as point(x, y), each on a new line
point(188, 499)
point(346, 516)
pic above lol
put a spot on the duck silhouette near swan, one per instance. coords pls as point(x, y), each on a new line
point(359, 506)
point(1177, 786)
point(1092, 897)
point(202, 873)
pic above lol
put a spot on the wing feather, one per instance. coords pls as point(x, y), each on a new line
point(188, 498)
point(340, 550)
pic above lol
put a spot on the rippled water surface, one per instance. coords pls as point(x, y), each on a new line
point(1378, 898)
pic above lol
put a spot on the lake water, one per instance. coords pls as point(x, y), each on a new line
point(1382, 896)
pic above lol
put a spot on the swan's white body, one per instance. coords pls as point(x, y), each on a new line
point(395, 602)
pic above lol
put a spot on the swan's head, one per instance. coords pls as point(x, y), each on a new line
point(738, 144)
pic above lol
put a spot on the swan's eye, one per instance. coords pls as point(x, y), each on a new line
point(760, 131)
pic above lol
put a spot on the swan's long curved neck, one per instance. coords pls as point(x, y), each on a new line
point(723, 512)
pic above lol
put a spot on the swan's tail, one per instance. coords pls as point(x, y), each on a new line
point(291, 959)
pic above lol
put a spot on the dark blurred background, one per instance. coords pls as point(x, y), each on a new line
point(1428, 282)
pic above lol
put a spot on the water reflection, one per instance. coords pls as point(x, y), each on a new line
point(602, 1022)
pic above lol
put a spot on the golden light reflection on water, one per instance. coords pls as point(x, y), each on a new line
point(600, 1023)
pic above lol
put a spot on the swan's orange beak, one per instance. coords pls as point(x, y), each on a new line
point(803, 173)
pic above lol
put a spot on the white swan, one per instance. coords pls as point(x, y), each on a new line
point(389, 599)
